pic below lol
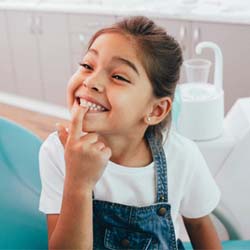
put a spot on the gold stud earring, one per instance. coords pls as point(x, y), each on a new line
point(148, 119)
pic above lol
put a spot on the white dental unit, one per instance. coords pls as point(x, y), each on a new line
point(223, 141)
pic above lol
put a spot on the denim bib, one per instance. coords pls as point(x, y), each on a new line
point(117, 226)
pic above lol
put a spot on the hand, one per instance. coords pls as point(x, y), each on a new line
point(85, 156)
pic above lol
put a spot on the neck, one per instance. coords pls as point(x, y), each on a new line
point(130, 150)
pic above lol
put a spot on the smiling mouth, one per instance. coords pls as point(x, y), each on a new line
point(92, 106)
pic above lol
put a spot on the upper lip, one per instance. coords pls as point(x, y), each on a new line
point(91, 99)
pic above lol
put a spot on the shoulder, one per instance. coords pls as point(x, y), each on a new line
point(51, 139)
point(178, 144)
point(52, 174)
point(51, 154)
point(182, 154)
point(52, 144)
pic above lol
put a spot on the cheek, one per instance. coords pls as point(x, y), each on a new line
point(118, 99)
point(126, 105)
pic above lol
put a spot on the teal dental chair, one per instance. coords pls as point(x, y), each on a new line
point(22, 226)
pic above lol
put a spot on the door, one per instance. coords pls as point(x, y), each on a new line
point(54, 55)
point(81, 28)
point(7, 83)
point(24, 47)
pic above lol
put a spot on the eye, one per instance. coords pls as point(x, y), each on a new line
point(85, 65)
point(120, 78)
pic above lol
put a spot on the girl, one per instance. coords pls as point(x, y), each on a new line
point(110, 181)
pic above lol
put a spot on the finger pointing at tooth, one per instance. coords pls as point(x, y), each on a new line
point(78, 113)
point(85, 155)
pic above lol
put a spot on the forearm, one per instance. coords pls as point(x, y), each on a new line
point(203, 235)
point(74, 228)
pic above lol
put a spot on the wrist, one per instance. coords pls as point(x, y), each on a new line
point(77, 188)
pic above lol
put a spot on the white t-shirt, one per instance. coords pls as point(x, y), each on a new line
point(193, 192)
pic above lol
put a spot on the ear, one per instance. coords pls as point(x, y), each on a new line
point(160, 110)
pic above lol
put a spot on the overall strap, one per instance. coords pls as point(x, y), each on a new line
point(160, 165)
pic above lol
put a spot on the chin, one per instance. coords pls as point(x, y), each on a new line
point(89, 129)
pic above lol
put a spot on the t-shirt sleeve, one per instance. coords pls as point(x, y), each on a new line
point(52, 175)
point(201, 195)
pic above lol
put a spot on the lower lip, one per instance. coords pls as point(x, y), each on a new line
point(95, 112)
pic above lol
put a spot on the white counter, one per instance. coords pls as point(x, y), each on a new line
point(232, 13)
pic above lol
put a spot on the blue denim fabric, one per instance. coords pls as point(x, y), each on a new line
point(118, 226)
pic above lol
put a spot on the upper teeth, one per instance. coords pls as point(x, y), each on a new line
point(91, 105)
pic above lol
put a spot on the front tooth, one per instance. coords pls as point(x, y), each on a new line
point(83, 102)
point(92, 106)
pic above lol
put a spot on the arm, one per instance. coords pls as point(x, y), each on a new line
point(202, 233)
point(85, 160)
point(73, 228)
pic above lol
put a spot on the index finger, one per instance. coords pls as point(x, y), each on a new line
point(78, 113)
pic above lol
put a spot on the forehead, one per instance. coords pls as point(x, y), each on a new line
point(116, 45)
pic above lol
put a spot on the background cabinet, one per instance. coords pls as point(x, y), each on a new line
point(25, 54)
point(7, 82)
point(54, 56)
point(40, 51)
point(81, 29)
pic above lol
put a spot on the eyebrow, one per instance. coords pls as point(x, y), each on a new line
point(119, 59)
point(93, 51)
point(127, 62)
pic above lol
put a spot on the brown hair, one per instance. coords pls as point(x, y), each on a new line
point(159, 53)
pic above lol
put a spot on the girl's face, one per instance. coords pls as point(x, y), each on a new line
point(111, 76)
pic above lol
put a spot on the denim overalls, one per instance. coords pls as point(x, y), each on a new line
point(118, 226)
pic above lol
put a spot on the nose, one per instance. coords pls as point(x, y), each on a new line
point(94, 82)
